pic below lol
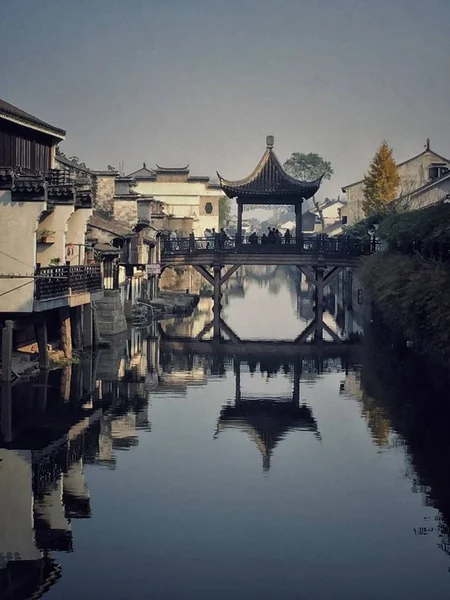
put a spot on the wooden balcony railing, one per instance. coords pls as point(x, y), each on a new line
point(60, 281)
point(315, 244)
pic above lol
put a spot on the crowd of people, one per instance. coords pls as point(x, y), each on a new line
point(273, 236)
point(212, 237)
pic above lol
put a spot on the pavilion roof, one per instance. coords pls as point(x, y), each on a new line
point(269, 179)
point(267, 422)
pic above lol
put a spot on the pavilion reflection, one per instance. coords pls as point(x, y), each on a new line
point(267, 420)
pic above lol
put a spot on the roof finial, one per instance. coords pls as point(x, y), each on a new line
point(144, 165)
point(270, 140)
point(427, 144)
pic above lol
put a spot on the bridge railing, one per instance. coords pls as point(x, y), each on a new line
point(316, 244)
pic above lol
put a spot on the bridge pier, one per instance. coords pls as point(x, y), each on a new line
point(320, 277)
point(216, 279)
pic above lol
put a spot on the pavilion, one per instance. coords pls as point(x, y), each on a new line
point(268, 185)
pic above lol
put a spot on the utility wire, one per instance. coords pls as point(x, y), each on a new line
point(16, 259)
point(16, 288)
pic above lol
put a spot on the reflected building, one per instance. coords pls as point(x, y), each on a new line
point(50, 430)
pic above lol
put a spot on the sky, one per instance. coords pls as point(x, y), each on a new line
point(204, 81)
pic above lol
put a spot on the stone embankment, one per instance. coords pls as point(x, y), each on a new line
point(168, 304)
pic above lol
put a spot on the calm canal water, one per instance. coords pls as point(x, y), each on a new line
point(192, 474)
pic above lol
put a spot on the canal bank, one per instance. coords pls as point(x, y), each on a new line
point(409, 282)
point(145, 467)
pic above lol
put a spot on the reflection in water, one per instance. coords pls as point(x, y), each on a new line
point(130, 476)
point(267, 420)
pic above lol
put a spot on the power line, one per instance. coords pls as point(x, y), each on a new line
point(16, 288)
point(16, 259)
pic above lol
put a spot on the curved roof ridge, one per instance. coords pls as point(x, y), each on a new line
point(159, 168)
point(269, 179)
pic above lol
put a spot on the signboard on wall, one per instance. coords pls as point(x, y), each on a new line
point(154, 269)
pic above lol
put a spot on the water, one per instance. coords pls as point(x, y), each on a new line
point(199, 475)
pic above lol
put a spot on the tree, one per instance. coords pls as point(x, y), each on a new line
point(224, 211)
point(381, 182)
point(309, 167)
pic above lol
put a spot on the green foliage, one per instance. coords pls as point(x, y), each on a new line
point(381, 182)
point(429, 225)
point(308, 167)
point(224, 211)
point(413, 295)
point(365, 228)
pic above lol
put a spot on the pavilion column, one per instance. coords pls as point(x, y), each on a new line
point(298, 222)
point(239, 221)
point(216, 306)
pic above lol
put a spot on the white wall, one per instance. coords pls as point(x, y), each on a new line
point(18, 251)
point(431, 196)
point(76, 230)
point(185, 199)
point(56, 221)
point(413, 175)
point(16, 507)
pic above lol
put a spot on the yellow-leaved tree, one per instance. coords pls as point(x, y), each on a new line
point(381, 182)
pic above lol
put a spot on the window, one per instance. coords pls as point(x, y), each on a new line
point(344, 220)
point(208, 208)
point(437, 170)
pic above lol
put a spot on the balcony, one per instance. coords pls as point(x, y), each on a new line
point(61, 281)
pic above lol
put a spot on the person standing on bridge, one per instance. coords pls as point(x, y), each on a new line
point(287, 237)
point(223, 237)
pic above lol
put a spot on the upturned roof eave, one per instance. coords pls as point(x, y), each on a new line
point(294, 187)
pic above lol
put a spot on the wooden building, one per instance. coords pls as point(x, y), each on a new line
point(269, 184)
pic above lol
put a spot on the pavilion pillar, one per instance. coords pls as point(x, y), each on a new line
point(298, 222)
point(216, 307)
point(240, 210)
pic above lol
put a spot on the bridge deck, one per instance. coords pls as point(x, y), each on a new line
point(238, 258)
point(339, 251)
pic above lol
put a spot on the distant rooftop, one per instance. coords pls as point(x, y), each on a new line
point(144, 173)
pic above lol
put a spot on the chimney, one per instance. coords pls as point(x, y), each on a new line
point(144, 210)
point(270, 140)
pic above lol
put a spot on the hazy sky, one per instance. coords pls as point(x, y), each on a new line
point(204, 81)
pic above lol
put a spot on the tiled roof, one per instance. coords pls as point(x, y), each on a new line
point(107, 249)
point(171, 170)
point(269, 179)
point(62, 158)
point(111, 225)
point(8, 110)
point(142, 173)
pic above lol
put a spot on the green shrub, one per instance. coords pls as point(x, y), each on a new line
point(413, 295)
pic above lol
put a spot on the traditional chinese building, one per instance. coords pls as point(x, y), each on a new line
point(270, 185)
point(44, 214)
point(191, 202)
